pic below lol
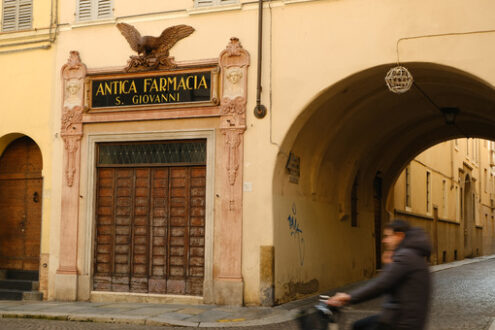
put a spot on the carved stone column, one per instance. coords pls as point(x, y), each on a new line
point(234, 62)
point(73, 74)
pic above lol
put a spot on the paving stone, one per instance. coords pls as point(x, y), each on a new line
point(150, 311)
point(463, 299)
point(171, 319)
point(171, 316)
point(191, 311)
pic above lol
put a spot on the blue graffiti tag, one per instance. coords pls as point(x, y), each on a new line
point(296, 232)
point(293, 225)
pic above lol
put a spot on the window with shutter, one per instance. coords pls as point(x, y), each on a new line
point(204, 3)
point(88, 10)
point(17, 15)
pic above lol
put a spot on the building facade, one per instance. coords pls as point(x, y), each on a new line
point(226, 163)
point(448, 190)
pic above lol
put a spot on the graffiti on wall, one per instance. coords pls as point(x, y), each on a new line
point(296, 232)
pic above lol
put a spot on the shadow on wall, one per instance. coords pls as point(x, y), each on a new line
point(7, 139)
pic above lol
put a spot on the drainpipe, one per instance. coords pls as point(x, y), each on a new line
point(260, 109)
point(452, 146)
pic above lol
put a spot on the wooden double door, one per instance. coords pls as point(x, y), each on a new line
point(20, 205)
point(150, 230)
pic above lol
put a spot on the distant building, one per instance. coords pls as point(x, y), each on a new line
point(449, 190)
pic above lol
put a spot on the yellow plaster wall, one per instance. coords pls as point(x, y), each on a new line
point(308, 55)
point(308, 47)
point(26, 107)
point(444, 161)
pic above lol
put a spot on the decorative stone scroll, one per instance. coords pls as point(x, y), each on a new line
point(234, 62)
point(73, 75)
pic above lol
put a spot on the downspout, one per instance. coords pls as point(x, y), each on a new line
point(452, 146)
point(260, 109)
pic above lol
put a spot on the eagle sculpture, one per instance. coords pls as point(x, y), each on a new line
point(149, 46)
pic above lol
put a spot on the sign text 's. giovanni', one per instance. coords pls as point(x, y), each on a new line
point(151, 90)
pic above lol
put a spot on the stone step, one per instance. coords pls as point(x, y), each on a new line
point(32, 295)
point(10, 294)
point(28, 275)
point(21, 285)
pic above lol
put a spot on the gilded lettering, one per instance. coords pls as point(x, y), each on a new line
point(100, 90)
point(108, 88)
point(163, 84)
point(172, 81)
point(164, 98)
point(203, 83)
point(154, 86)
point(147, 81)
point(182, 83)
point(188, 82)
point(133, 87)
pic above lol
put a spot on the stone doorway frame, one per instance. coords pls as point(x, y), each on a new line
point(92, 140)
point(226, 280)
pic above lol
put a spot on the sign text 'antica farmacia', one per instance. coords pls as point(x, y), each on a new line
point(151, 90)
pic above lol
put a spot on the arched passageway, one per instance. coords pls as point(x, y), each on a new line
point(353, 140)
point(21, 185)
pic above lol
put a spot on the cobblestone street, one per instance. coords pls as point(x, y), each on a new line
point(18, 324)
point(464, 299)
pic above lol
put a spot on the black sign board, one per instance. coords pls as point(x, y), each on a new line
point(151, 90)
point(294, 167)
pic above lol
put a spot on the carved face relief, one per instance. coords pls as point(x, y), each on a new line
point(233, 85)
point(234, 75)
point(72, 93)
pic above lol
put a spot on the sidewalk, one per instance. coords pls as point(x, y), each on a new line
point(179, 315)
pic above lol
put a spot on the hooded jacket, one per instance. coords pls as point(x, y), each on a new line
point(406, 281)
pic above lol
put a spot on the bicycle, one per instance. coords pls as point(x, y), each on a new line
point(320, 317)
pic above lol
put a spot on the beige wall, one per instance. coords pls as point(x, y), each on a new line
point(323, 68)
point(26, 84)
point(303, 60)
point(446, 162)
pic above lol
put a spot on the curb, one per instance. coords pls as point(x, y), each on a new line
point(492, 325)
point(275, 319)
point(281, 314)
point(438, 268)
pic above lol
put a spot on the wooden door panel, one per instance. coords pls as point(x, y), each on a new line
point(104, 248)
point(12, 215)
point(178, 230)
point(20, 205)
point(158, 234)
point(197, 231)
point(123, 210)
point(33, 225)
point(150, 233)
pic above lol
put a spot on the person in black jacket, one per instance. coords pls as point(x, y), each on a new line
point(405, 279)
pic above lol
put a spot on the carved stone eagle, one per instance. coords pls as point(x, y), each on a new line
point(154, 46)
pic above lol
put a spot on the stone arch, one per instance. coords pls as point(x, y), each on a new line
point(358, 126)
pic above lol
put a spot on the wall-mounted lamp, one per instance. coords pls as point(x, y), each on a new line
point(450, 113)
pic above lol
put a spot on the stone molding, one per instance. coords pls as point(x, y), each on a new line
point(234, 62)
point(227, 282)
point(73, 75)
